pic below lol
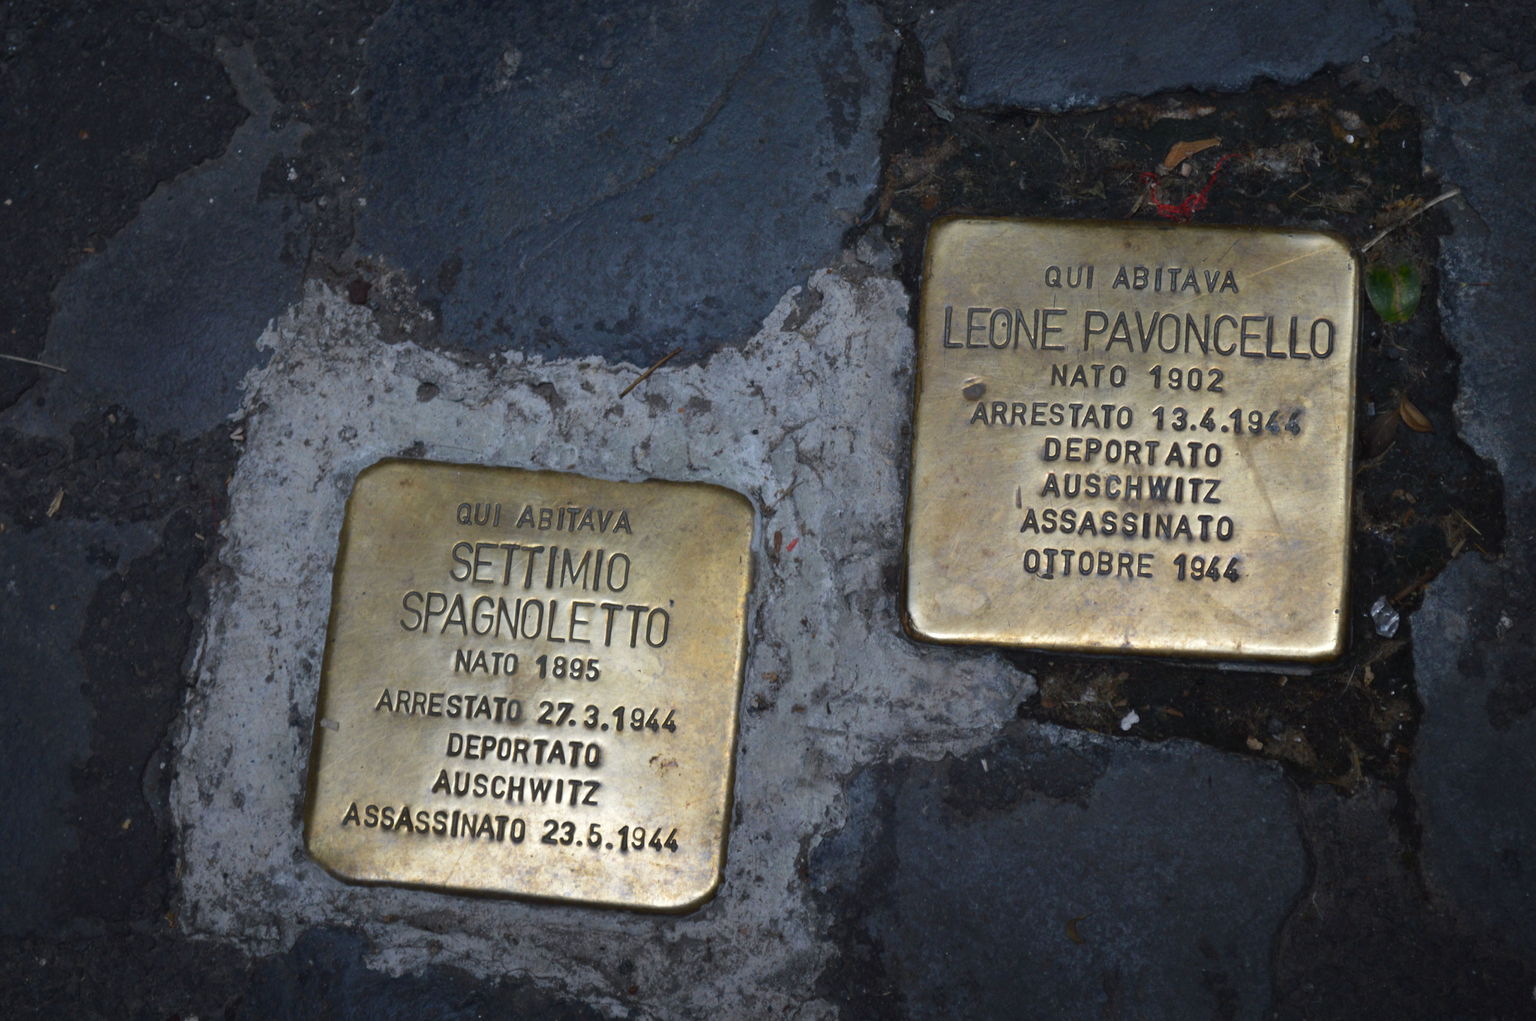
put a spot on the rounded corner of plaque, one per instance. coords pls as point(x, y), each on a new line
point(1330, 650)
point(942, 227)
point(740, 502)
point(1338, 241)
point(1337, 246)
point(324, 855)
point(945, 224)
point(1328, 647)
point(319, 851)
point(381, 468)
point(917, 629)
point(688, 901)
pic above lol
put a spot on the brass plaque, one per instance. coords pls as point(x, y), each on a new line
point(531, 684)
point(1133, 438)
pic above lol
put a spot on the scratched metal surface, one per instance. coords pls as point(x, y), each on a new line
point(1133, 438)
point(531, 685)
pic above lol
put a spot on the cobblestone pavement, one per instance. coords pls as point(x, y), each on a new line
point(253, 248)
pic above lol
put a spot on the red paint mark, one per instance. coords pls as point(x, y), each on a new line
point(1186, 210)
point(792, 543)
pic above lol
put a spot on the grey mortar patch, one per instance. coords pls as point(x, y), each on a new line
point(809, 423)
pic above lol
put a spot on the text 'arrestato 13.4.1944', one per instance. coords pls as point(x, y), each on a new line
point(1133, 439)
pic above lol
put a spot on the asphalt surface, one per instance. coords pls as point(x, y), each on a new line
point(222, 217)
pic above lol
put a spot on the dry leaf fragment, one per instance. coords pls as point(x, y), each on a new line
point(58, 501)
point(1412, 417)
point(1381, 433)
point(1182, 151)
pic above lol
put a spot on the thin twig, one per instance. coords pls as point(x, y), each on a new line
point(1426, 207)
point(664, 359)
point(1413, 586)
point(1065, 155)
point(33, 361)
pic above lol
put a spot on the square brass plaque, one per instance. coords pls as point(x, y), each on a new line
point(531, 684)
point(1133, 438)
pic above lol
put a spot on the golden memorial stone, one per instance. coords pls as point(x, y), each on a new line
point(531, 685)
point(1133, 438)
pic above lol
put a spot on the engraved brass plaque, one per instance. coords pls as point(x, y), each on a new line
point(1133, 438)
point(531, 684)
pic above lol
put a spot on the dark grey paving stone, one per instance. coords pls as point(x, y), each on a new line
point(1486, 298)
point(1364, 940)
point(98, 106)
point(324, 975)
point(566, 181)
point(1476, 754)
point(993, 53)
point(164, 320)
point(1057, 875)
point(47, 579)
point(1475, 648)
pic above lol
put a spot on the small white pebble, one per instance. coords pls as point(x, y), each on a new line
point(1129, 720)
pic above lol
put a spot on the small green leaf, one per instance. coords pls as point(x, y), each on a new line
point(1394, 291)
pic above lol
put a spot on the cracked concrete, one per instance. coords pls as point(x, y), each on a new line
point(810, 422)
